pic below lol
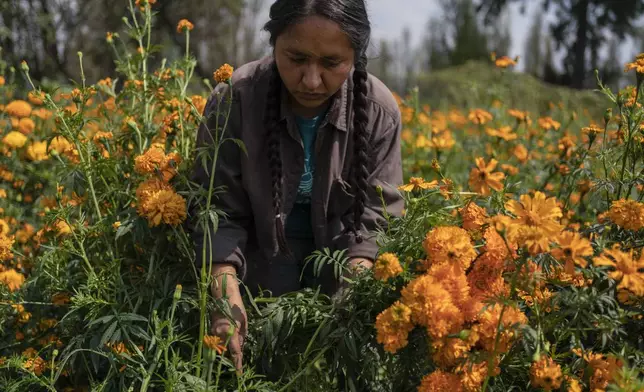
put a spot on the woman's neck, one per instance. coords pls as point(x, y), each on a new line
point(306, 112)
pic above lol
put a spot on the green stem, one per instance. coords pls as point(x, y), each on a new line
point(628, 144)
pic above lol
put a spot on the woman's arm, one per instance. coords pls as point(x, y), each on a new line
point(387, 174)
point(225, 243)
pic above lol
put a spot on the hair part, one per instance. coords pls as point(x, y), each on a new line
point(351, 16)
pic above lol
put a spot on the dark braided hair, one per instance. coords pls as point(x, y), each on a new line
point(351, 16)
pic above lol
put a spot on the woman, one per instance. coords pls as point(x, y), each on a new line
point(322, 140)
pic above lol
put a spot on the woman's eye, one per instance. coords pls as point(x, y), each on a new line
point(298, 60)
point(331, 64)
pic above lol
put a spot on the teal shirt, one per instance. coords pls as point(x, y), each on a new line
point(298, 224)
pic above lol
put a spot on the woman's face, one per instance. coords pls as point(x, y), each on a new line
point(314, 58)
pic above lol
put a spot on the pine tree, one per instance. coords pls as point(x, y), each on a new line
point(470, 43)
point(533, 56)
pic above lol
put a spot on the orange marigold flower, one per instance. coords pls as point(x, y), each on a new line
point(223, 74)
point(387, 266)
point(26, 125)
point(36, 365)
point(37, 151)
point(432, 307)
point(488, 321)
point(448, 352)
point(536, 222)
point(6, 243)
point(505, 62)
point(147, 188)
point(417, 183)
point(628, 214)
point(149, 161)
point(440, 381)
point(14, 139)
point(18, 108)
point(452, 278)
point(521, 153)
point(548, 123)
point(214, 343)
point(165, 206)
point(2, 81)
point(12, 279)
point(36, 98)
point(521, 116)
point(546, 373)
point(393, 326)
point(184, 25)
point(572, 250)
point(637, 65)
point(479, 116)
point(473, 375)
point(504, 133)
point(473, 216)
point(482, 179)
point(449, 244)
point(626, 268)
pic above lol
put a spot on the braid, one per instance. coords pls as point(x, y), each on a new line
point(361, 144)
point(271, 119)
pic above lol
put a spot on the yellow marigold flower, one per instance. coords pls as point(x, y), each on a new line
point(521, 153)
point(592, 130)
point(440, 381)
point(546, 373)
point(62, 227)
point(14, 139)
point(4, 227)
point(184, 25)
point(393, 326)
point(387, 266)
point(60, 145)
point(626, 268)
point(214, 343)
point(637, 65)
point(42, 113)
point(548, 123)
point(482, 179)
point(12, 279)
point(18, 108)
point(432, 307)
point(223, 74)
point(473, 216)
point(116, 225)
point(417, 183)
point(449, 244)
point(37, 151)
point(165, 206)
point(572, 250)
point(573, 385)
point(442, 142)
point(537, 218)
point(479, 116)
point(628, 214)
point(26, 125)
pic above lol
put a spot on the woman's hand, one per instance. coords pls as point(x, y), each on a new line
point(358, 264)
point(220, 324)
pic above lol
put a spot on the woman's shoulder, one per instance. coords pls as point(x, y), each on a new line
point(381, 96)
point(252, 72)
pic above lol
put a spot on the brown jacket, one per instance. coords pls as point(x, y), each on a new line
point(247, 233)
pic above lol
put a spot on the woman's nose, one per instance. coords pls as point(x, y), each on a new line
point(312, 78)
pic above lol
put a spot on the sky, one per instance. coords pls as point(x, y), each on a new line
point(389, 17)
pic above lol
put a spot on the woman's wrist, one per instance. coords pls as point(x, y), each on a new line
point(224, 275)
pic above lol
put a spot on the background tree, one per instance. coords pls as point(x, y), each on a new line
point(580, 27)
point(533, 55)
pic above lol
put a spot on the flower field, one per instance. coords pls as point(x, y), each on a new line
point(518, 263)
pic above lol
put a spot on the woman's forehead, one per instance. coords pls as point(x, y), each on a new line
point(316, 36)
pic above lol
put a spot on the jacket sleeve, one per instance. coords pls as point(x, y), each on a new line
point(227, 240)
point(386, 172)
